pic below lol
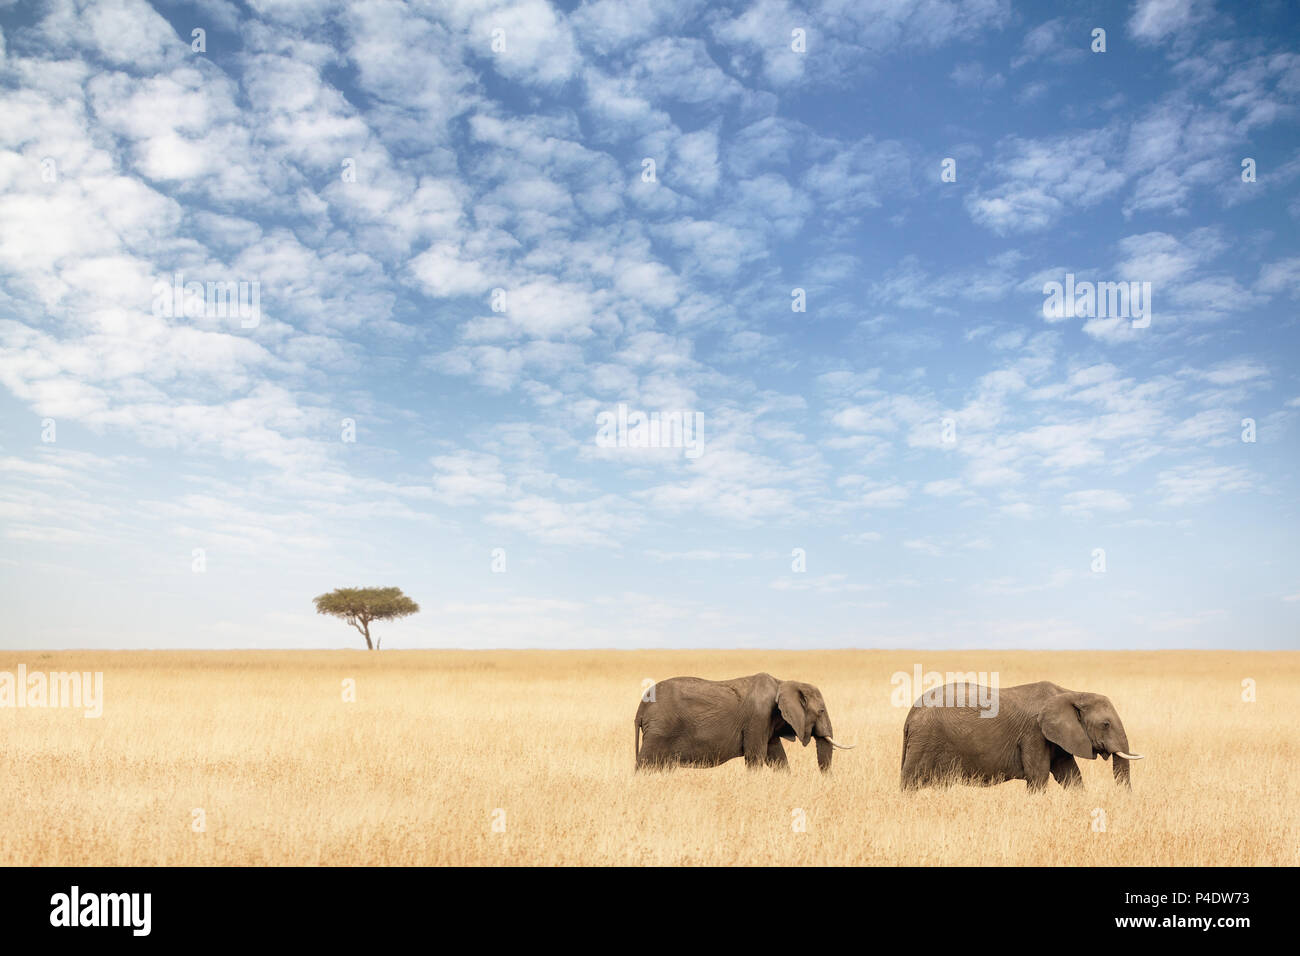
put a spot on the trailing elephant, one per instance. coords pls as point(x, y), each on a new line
point(687, 721)
point(1035, 731)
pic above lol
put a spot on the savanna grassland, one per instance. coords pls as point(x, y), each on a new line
point(439, 744)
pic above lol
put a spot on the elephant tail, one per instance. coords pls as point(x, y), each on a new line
point(636, 737)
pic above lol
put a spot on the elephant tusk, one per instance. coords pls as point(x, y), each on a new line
point(1120, 753)
point(831, 741)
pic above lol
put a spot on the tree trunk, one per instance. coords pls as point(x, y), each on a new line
point(363, 628)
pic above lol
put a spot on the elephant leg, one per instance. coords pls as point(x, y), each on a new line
point(910, 779)
point(925, 772)
point(918, 769)
point(754, 742)
point(654, 754)
point(1036, 764)
point(1066, 771)
point(776, 754)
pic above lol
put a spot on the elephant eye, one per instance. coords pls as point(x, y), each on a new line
point(1105, 725)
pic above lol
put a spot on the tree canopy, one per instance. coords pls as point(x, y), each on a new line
point(360, 606)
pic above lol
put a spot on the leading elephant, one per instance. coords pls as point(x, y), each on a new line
point(1036, 730)
point(693, 722)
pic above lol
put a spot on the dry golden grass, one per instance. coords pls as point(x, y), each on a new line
point(412, 772)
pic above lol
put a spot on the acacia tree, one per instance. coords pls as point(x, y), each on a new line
point(360, 606)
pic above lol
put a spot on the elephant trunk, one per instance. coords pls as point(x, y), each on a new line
point(1119, 765)
point(824, 750)
point(825, 744)
point(1121, 771)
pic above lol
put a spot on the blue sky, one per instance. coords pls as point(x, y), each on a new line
point(947, 465)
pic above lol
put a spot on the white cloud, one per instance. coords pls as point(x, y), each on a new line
point(1153, 20)
point(1084, 503)
point(1195, 484)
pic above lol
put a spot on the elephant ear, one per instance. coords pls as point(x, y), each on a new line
point(789, 700)
point(1062, 725)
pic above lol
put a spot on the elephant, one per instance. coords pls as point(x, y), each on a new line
point(688, 721)
point(1036, 730)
